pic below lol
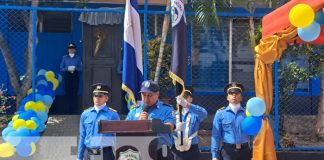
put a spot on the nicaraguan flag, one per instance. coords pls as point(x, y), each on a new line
point(132, 60)
point(179, 45)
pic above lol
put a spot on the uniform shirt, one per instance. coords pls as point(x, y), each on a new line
point(158, 111)
point(68, 61)
point(227, 128)
point(198, 114)
point(89, 136)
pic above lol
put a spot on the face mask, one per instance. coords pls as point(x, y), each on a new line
point(235, 107)
point(71, 55)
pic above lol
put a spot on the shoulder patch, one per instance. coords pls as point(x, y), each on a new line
point(112, 109)
point(222, 108)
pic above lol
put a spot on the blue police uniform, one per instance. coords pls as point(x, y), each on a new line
point(197, 115)
point(89, 136)
point(71, 80)
point(159, 111)
point(227, 128)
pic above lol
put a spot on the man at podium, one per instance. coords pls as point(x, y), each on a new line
point(92, 144)
point(152, 108)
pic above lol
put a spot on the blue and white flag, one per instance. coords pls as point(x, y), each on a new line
point(132, 61)
point(179, 46)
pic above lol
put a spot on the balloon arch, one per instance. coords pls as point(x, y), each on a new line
point(298, 20)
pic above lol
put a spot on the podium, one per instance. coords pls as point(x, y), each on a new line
point(136, 139)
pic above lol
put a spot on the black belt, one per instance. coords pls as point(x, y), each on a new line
point(98, 151)
point(236, 146)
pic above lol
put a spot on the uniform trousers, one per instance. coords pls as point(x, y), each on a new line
point(193, 153)
point(71, 81)
point(105, 153)
point(230, 152)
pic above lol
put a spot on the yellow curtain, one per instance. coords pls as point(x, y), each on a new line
point(268, 51)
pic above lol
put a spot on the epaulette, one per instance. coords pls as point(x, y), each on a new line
point(112, 109)
point(222, 108)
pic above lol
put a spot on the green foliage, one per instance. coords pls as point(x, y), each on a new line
point(310, 59)
point(165, 82)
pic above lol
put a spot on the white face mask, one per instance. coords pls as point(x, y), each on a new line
point(235, 107)
point(71, 55)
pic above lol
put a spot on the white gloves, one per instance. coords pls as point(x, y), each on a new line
point(180, 126)
point(215, 159)
point(71, 68)
point(182, 102)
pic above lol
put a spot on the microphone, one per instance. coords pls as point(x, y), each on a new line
point(146, 108)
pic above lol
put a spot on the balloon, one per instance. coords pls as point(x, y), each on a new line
point(30, 105)
point(40, 127)
point(24, 149)
point(309, 33)
point(59, 78)
point(56, 83)
point(15, 117)
point(18, 123)
point(42, 82)
point(34, 136)
point(42, 116)
point(30, 124)
point(6, 131)
point(23, 132)
point(40, 106)
point(301, 15)
point(247, 113)
point(33, 146)
point(319, 18)
point(48, 100)
point(49, 75)
point(251, 125)
point(27, 115)
point(256, 106)
point(6, 150)
point(41, 77)
point(13, 138)
point(41, 72)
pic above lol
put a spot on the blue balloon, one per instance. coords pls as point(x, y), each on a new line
point(309, 33)
point(23, 132)
point(27, 115)
point(36, 120)
point(256, 106)
point(6, 131)
point(42, 116)
point(50, 86)
point(34, 136)
point(319, 18)
point(48, 100)
point(24, 149)
point(13, 138)
point(41, 72)
point(251, 125)
point(42, 82)
point(40, 127)
point(59, 77)
point(41, 88)
point(41, 77)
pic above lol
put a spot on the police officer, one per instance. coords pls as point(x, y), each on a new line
point(192, 116)
point(94, 145)
point(71, 65)
point(152, 108)
point(227, 128)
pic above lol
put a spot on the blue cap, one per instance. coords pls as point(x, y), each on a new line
point(149, 87)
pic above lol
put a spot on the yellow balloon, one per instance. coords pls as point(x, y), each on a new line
point(247, 113)
point(30, 106)
point(18, 123)
point(7, 150)
point(55, 84)
point(15, 117)
point(33, 146)
point(30, 124)
point(49, 75)
point(301, 15)
point(40, 106)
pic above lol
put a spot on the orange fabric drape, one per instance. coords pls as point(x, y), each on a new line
point(268, 51)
